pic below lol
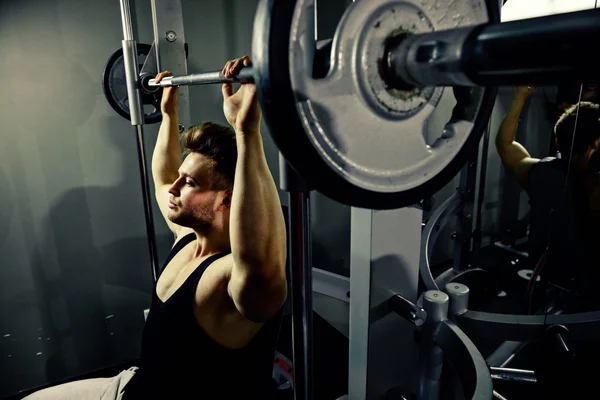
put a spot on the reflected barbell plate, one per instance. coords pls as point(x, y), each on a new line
point(348, 134)
point(114, 86)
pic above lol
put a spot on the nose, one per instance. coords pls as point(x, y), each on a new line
point(174, 189)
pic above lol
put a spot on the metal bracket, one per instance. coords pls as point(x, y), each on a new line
point(150, 66)
point(169, 46)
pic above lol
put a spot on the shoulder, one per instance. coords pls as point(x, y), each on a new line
point(551, 166)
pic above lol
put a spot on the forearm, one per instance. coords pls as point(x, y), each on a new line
point(166, 157)
point(257, 227)
point(511, 151)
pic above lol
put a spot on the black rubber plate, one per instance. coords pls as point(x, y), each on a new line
point(114, 85)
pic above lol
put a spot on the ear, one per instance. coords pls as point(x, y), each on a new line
point(227, 199)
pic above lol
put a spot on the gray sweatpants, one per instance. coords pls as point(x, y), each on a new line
point(87, 389)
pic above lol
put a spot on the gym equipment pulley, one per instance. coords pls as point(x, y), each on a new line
point(404, 92)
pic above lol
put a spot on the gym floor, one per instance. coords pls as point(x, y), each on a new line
point(559, 376)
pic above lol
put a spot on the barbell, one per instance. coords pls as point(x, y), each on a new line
point(379, 128)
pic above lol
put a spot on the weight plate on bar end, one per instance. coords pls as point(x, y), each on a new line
point(114, 85)
point(350, 136)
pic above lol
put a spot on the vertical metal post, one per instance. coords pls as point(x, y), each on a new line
point(478, 234)
point(301, 256)
point(384, 260)
point(464, 225)
point(431, 357)
point(301, 279)
point(360, 302)
point(137, 118)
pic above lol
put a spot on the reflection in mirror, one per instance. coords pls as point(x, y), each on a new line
point(563, 192)
point(485, 237)
point(529, 224)
point(534, 218)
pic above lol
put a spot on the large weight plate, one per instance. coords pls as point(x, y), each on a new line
point(114, 85)
point(349, 135)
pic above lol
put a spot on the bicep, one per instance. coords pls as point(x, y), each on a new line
point(258, 297)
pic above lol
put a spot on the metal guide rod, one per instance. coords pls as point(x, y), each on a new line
point(147, 204)
point(137, 118)
point(544, 50)
point(301, 281)
point(300, 269)
point(514, 375)
point(431, 356)
point(126, 20)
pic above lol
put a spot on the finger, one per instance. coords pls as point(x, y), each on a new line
point(247, 61)
point(238, 65)
point(233, 68)
point(225, 69)
point(161, 75)
point(228, 68)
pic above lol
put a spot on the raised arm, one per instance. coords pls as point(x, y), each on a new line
point(515, 157)
point(257, 229)
point(166, 157)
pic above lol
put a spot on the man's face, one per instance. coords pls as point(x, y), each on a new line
point(192, 202)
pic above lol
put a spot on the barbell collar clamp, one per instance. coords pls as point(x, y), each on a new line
point(547, 50)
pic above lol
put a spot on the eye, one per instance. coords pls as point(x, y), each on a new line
point(189, 183)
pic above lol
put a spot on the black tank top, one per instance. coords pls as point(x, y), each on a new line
point(561, 222)
point(180, 361)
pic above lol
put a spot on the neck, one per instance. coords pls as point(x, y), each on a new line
point(213, 242)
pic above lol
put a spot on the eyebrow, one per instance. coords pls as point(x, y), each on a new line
point(185, 174)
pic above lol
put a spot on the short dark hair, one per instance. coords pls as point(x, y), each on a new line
point(587, 116)
point(217, 142)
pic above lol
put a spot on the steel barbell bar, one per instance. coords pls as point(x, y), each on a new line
point(543, 50)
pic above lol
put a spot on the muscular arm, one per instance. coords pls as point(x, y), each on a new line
point(515, 157)
point(166, 157)
point(257, 284)
point(258, 236)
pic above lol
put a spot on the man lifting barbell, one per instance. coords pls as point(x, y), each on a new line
point(217, 304)
point(565, 198)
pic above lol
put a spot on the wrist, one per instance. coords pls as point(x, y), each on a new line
point(172, 116)
point(247, 133)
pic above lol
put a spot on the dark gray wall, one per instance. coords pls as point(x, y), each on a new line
point(75, 273)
